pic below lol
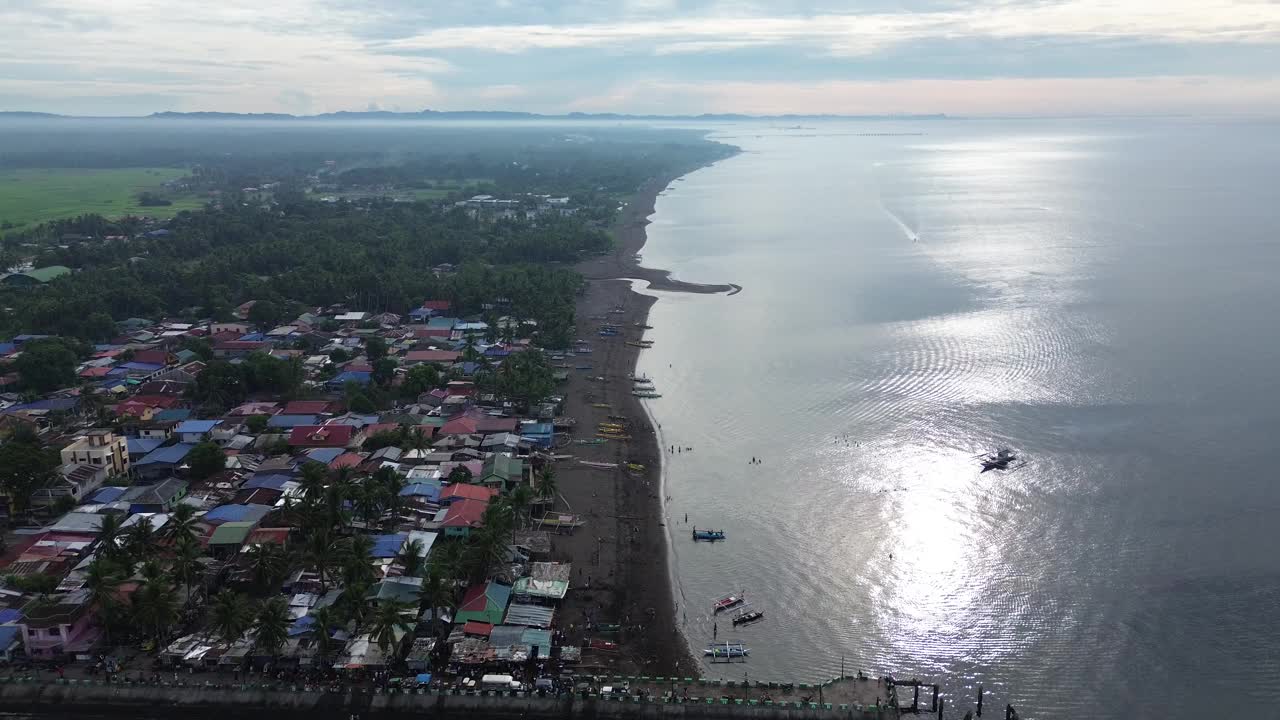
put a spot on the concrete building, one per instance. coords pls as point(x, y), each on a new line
point(99, 448)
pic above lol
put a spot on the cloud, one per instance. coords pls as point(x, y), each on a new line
point(852, 34)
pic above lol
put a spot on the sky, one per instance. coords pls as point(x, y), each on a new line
point(979, 57)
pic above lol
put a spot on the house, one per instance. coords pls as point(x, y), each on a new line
point(160, 430)
point(289, 422)
point(10, 641)
point(230, 349)
point(308, 407)
point(99, 448)
point(228, 537)
point(255, 408)
point(74, 481)
point(62, 627)
point(462, 517)
point(140, 446)
point(326, 436)
point(159, 498)
point(486, 603)
point(465, 491)
point(441, 357)
point(349, 376)
point(195, 431)
point(162, 462)
point(36, 277)
point(541, 434)
point(501, 472)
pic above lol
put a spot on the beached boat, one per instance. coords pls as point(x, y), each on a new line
point(613, 437)
point(639, 378)
point(708, 535)
point(745, 616)
point(589, 441)
point(605, 406)
point(646, 394)
point(645, 344)
point(598, 465)
point(635, 467)
point(643, 385)
point(728, 601)
point(642, 326)
point(726, 650)
point(564, 422)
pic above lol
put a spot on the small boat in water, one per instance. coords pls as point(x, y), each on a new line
point(726, 650)
point(728, 601)
point(646, 394)
point(708, 535)
point(745, 616)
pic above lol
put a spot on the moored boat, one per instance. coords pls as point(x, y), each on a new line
point(726, 650)
point(708, 535)
point(728, 601)
point(746, 616)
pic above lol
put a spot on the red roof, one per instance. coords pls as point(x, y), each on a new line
point(465, 513)
point(463, 492)
point(475, 627)
point(156, 401)
point(440, 305)
point(374, 429)
point(307, 407)
point(474, 599)
point(349, 459)
point(159, 357)
point(239, 345)
point(432, 356)
point(94, 372)
point(268, 536)
point(335, 436)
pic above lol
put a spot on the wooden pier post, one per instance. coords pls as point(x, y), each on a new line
point(979, 701)
point(941, 703)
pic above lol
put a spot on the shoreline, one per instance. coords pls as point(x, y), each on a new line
point(625, 534)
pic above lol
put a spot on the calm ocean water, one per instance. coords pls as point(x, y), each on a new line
point(1101, 296)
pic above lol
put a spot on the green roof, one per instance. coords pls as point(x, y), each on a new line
point(45, 274)
point(504, 466)
point(231, 533)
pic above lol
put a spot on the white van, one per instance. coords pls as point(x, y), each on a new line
point(499, 682)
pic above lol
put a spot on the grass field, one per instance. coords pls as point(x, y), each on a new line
point(29, 197)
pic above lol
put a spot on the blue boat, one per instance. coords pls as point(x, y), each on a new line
point(708, 535)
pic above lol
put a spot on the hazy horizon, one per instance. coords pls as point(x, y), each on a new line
point(666, 57)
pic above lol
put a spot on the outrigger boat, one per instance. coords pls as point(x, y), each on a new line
point(726, 650)
point(728, 601)
point(708, 535)
point(745, 616)
point(646, 394)
point(645, 344)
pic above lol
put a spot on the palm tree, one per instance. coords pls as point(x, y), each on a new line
point(155, 609)
point(415, 439)
point(313, 480)
point(186, 561)
point(323, 621)
point(391, 619)
point(437, 594)
point(547, 486)
point(102, 579)
point(182, 524)
point(142, 539)
point(230, 615)
point(319, 553)
point(412, 558)
point(266, 566)
point(272, 625)
point(109, 538)
point(357, 560)
point(519, 500)
point(151, 570)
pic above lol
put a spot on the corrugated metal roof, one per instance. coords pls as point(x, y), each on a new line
point(533, 615)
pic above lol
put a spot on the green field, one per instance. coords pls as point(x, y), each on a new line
point(29, 197)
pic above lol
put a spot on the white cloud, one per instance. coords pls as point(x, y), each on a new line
point(855, 34)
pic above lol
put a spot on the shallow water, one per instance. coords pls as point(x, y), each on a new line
point(1099, 296)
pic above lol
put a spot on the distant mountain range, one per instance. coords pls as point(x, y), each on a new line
point(462, 115)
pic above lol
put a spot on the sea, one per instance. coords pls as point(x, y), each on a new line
point(1099, 296)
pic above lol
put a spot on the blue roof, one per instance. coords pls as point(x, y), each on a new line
point(24, 338)
point(387, 546)
point(291, 421)
point(173, 414)
point(269, 481)
point(237, 513)
point(8, 634)
point(51, 404)
point(355, 376)
point(301, 626)
point(197, 426)
point(538, 429)
point(106, 495)
point(7, 347)
point(324, 455)
point(141, 366)
point(419, 312)
point(442, 322)
point(8, 615)
point(142, 446)
point(253, 337)
point(431, 491)
point(172, 454)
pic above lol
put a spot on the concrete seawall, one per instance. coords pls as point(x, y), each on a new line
point(195, 701)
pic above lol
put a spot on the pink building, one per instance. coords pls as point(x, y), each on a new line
point(65, 627)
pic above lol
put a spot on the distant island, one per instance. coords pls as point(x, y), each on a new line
point(461, 115)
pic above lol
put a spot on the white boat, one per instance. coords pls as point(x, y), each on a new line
point(726, 650)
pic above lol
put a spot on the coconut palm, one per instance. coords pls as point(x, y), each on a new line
point(155, 609)
point(412, 558)
point(392, 620)
point(102, 579)
point(141, 539)
point(519, 500)
point(267, 565)
point(319, 553)
point(323, 621)
point(438, 595)
point(186, 561)
point(182, 524)
point(357, 561)
point(272, 625)
point(313, 480)
point(231, 615)
point(547, 489)
point(109, 538)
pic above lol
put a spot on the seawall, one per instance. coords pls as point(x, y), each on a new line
point(88, 698)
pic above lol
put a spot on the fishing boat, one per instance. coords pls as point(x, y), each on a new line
point(638, 378)
point(619, 418)
point(643, 385)
point(646, 394)
point(598, 465)
point(635, 467)
point(726, 650)
point(613, 437)
point(728, 601)
point(708, 535)
point(606, 406)
point(745, 616)
point(645, 344)
point(589, 441)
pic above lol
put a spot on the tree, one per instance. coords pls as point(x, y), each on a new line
point(357, 560)
point(547, 486)
point(384, 371)
point(526, 376)
point(267, 566)
point(257, 424)
point(375, 348)
point(102, 579)
point(420, 379)
point(266, 314)
point(24, 468)
point(390, 623)
point(357, 400)
point(141, 540)
point(339, 355)
point(231, 615)
point(412, 558)
point(110, 545)
point(272, 625)
point(319, 554)
point(186, 562)
point(323, 620)
point(155, 609)
point(460, 474)
point(47, 364)
point(182, 524)
point(519, 499)
point(206, 459)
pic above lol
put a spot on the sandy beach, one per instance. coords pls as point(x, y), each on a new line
point(620, 556)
